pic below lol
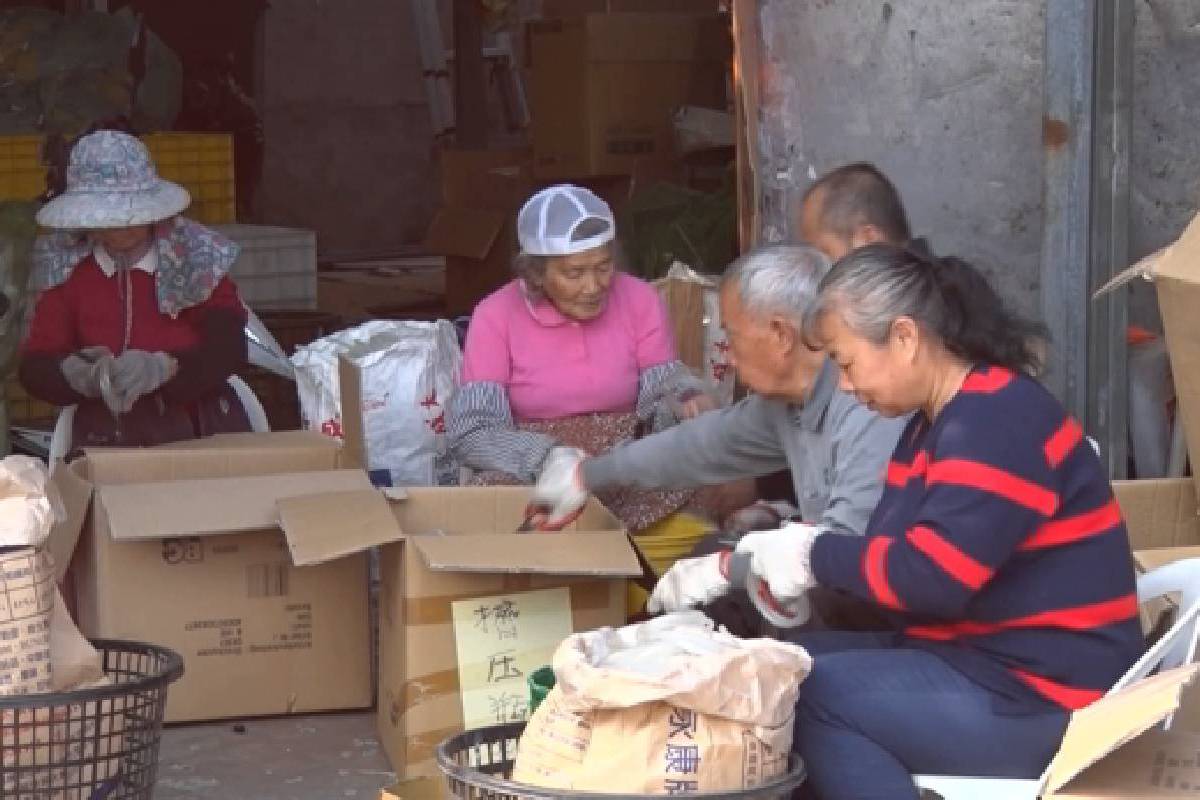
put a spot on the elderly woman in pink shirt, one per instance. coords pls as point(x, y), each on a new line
point(573, 352)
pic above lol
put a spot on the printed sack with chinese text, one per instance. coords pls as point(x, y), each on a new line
point(668, 706)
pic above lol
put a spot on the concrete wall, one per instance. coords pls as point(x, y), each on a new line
point(348, 143)
point(947, 98)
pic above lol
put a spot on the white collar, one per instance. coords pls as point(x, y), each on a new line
point(148, 263)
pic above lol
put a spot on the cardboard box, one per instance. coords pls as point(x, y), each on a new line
point(1175, 271)
point(194, 545)
point(475, 229)
point(474, 552)
point(604, 87)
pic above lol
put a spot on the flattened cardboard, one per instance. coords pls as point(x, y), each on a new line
point(1175, 271)
point(1154, 765)
point(597, 554)
point(76, 494)
point(1100, 730)
point(325, 527)
point(208, 506)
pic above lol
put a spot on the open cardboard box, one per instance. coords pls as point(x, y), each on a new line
point(184, 546)
point(462, 543)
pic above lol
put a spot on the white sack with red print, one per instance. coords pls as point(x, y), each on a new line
point(407, 370)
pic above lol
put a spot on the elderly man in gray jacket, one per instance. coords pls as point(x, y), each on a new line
point(836, 448)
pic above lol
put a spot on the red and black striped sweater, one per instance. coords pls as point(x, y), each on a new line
point(997, 544)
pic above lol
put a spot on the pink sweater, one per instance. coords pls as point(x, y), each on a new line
point(553, 366)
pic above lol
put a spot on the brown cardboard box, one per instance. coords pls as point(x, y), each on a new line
point(603, 88)
point(482, 190)
point(184, 548)
point(1175, 271)
point(475, 553)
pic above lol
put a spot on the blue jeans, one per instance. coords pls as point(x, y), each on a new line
point(871, 715)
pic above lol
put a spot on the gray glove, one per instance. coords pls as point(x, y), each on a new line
point(82, 370)
point(137, 373)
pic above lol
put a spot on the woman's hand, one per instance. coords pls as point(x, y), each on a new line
point(137, 373)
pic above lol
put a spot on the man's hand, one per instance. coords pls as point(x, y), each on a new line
point(559, 496)
point(137, 373)
point(690, 582)
point(760, 516)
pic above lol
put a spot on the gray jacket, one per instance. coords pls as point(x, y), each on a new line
point(837, 451)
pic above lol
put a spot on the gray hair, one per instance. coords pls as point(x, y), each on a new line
point(778, 279)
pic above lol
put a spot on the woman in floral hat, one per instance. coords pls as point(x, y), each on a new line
point(137, 322)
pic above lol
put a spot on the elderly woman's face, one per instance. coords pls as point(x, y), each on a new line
point(123, 240)
point(883, 377)
point(578, 284)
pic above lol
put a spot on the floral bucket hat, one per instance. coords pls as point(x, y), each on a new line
point(112, 183)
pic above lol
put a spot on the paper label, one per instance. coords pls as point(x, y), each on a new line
point(500, 640)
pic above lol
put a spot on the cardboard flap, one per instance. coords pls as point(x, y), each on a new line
point(605, 554)
point(1106, 725)
point(76, 493)
point(324, 527)
point(353, 430)
point(197, 507)
point(464, 232)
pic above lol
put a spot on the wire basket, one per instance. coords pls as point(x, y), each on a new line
point(477, 765)
point(98, 743)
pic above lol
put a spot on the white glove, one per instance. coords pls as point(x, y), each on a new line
point(781, 558)
point(82, 370)
point(690, 582)
point(559, 496)
point(137, 373)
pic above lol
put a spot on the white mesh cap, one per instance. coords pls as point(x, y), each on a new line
point(549, 222)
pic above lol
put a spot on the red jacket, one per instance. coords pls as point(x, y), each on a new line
point(86, 310)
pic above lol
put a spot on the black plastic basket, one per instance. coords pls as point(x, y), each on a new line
point(92, 744)
point(478, 763)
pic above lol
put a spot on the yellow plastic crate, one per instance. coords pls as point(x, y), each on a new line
point(201, 162)
point(24, 408)
point(22, 173)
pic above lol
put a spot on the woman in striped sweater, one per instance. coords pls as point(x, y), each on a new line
point(997, 551)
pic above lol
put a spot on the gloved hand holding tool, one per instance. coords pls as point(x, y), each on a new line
point(137, 373)
point(559, 496)
point(773, 566)
point(83, 370)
